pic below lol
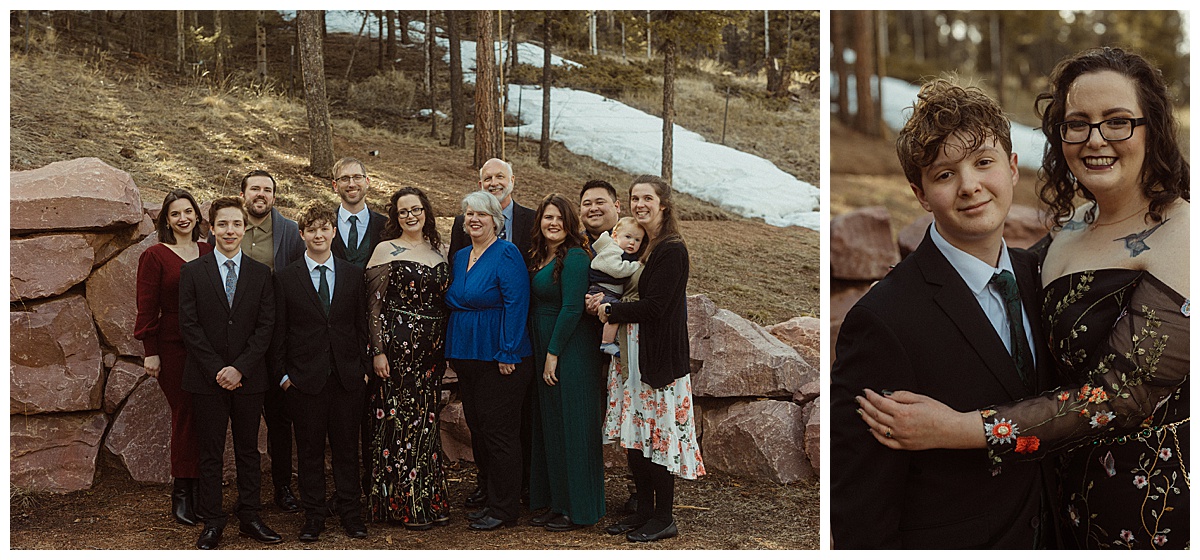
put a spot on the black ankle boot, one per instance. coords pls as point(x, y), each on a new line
point(183, 501)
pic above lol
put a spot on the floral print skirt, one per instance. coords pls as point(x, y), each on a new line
point(659, 422)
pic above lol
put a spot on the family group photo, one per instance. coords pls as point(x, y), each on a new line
point(414, 279)
point(1009, 299)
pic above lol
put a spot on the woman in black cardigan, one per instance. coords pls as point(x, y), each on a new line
point(650, 391)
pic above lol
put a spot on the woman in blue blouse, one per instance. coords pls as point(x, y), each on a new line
point(485, 340)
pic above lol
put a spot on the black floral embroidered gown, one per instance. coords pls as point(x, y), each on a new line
point(407, 318)
point(1120, 339)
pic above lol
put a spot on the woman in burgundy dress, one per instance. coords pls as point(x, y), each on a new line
point(157, 327)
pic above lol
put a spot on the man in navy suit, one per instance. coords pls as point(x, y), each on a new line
point(320, 361)
point(226, 317)
point(358, 227)
point(957, 320)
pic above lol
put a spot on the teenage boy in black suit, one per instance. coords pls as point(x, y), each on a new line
point(320, 361)
point(226, 317)
point(940, 324)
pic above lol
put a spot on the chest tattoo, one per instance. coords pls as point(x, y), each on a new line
point(1136, 242)
point(398, 249)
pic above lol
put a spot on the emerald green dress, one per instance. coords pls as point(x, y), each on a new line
point(567, 466)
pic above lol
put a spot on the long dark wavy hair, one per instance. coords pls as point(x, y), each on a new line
point(670, 220)
point(1165, 175)
point(539, 248)
point(429, 231)
point(165, 233)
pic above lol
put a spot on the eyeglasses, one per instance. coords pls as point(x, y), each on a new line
point(1112, 130)
point(404, 212)
point(345, 179)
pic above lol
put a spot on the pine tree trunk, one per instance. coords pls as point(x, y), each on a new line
point(260, 33)
point(544, 146)
point(219, 45)
point(430, 72)
point(486, 127)
point(668, 118)
point(458, 112)
point(180, 41)
point(403, 25)
point(312, 68)
point(391, 37)
point(866, 120)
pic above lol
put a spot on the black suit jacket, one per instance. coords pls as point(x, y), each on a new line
point(374, 230)
point(216, 335)
point(522, 230)
point(308, 345)
point(921, 329)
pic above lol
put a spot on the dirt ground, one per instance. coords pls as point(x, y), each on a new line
point(714, 512)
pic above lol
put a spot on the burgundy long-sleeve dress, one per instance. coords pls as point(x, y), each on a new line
point(157, 326)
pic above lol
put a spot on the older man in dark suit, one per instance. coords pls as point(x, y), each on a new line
point(226, 317)
point(956, 320)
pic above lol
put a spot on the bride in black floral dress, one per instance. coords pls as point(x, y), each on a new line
point(1117, 311)
point(407, 278)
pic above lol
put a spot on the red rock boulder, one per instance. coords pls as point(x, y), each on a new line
point(83, 193)
point(55, 452)
point(141, 434)
point(758, 439)
point(861, 245)
point(47, 265)
point(55, 358)
point(112, 297)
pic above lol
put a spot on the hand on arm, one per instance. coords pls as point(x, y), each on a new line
point(914, 422)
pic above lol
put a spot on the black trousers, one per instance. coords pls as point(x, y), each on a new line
point(279, 435)
point(492, 406)
point(213, 414)
point(332, 414)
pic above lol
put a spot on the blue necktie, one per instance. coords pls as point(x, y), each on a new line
point(230, 282)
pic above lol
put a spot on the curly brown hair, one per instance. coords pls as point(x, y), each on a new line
point(1165, 175)
point(392, 229)
point(539, 248)
point(943, 109)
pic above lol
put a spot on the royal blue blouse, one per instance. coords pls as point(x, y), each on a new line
point(488, 306)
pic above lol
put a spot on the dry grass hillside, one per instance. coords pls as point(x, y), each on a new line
point(170, 132)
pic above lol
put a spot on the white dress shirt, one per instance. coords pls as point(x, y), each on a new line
point(978, 275)
point(364, 217)
point(222, 271)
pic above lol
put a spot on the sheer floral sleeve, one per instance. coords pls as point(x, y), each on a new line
point(1132, 386)
point(377, 285)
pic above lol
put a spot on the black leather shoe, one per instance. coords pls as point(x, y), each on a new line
point(489, 523)
point(625, 525)
point(183, 500)
point(311, 532)
point(259, 531)
point(562, 523)
point(477, 498)
point(667, 532)
point(477, 515)
point(630, 505)
point(541, 519)
point(286, 500)
point(209, 539)
point(354, 528)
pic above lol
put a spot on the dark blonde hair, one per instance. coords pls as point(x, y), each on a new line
point(943, 109)
point(314, 214)
point(1165, 174)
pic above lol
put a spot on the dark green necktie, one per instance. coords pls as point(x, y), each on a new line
point(353, 245)
point(1021, 353)
point(323, 291)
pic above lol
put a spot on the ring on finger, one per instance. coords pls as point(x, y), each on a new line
point(887, 434)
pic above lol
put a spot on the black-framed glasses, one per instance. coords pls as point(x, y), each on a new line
point(345, 179)
point(1112, 130)
point(404, 212)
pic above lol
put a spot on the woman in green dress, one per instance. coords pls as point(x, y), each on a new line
point(567, 470)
